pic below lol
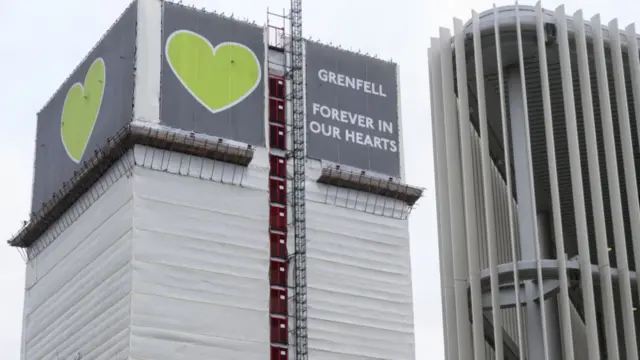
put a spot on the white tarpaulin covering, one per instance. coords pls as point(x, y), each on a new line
point(161, 266)
point(201, 260)
point(172, 264)
point(359, 283)
point(77, 290)
point(201, 265)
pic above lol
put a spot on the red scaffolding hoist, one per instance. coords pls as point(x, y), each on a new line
point(286, 67)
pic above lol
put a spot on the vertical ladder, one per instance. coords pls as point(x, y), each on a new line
point(278, 204)
point(298, 191)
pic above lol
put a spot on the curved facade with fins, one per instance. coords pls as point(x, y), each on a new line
point(535, 126)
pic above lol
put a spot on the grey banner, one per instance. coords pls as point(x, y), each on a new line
point(352, 109)
point(90, 106)
point(212, 80)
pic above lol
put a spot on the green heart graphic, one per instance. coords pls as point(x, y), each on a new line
point(218, 77)
point(80, 110)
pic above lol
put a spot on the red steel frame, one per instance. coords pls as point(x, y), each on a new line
point(278, 268)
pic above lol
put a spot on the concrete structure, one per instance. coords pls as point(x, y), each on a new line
point(168, 233)
point(535, 122)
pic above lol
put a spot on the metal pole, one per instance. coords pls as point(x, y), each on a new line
point(299, 180)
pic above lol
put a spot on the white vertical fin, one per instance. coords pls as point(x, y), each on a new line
point(456, 197)
point(470, 195)
point(533, 212)
point(565, 315)
point(597, 202)
point(489, 208)
point(509, 182)
point(577, 185)
point(442, 203)
point(627, 145)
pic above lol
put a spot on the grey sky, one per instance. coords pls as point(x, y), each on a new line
point(44, 41)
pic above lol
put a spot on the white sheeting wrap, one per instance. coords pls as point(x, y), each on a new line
point(77, 289)
point(201, 265)
point(359, 283)
point(162, 266)
point(168, 266)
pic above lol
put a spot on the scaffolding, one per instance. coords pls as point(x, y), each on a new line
point(369, 193)
point(290, 67)
point(299, 179)
point(225, 162)
point(276, 33)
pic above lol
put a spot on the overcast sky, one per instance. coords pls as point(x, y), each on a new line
point(44, 40)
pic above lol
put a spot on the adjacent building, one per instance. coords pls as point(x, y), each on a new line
point(535, 128)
